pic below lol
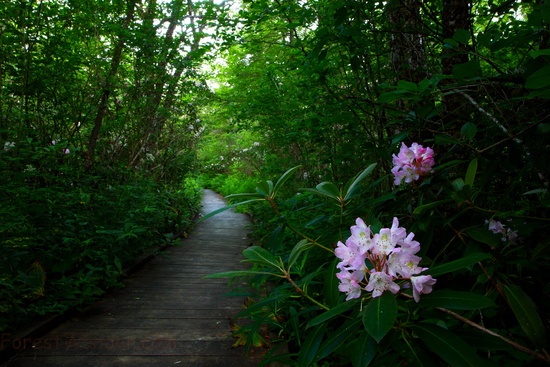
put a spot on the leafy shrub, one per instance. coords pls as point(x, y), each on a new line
point(487, 253)
point(67, 232)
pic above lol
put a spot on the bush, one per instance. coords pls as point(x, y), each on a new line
point(67, 232)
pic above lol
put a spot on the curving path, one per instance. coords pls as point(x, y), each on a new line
point(167, 315)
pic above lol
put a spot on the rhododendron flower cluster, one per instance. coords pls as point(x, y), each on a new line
point(391, 256)
point(412, 162)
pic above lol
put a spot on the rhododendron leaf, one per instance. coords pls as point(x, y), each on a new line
point(455, 300)
point(333, 312)
point(453, 350)
point(526, 313)
point(351, 186)
point(308, 350)
point(265, 188)
point(423, 208)
point(458, 264)
point(363, 350)
point(283, 179)
point(211, 214)
point(329, 189)
point(441, 139)
point(330, 285)
point(485, 236)
point(296, 251)
point(471, 173)
point(260, 256)
point(380, 315)
point(339, 337)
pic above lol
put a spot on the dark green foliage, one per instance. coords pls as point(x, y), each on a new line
point(68, 233)
point(334, 86)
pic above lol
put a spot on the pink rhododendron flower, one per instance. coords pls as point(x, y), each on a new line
point(412, 162)
point(380, 282)
point(391, 257)
point(422, 285)
point(349, 283)
point(350, 255)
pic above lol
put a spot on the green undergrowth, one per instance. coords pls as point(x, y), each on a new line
point(67, 232)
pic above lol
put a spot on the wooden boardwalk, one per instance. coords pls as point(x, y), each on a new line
point(167, 315)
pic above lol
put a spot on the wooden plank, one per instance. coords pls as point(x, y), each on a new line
point(138, 361)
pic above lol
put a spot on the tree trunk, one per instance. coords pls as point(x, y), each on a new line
point(110, 81)
point(455, 15)
point(408, 57)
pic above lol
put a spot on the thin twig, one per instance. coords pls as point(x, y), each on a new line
point(517, 346)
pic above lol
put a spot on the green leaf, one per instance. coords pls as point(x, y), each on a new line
point(422, 208)
point(470, 69)
point(458, 184)
point(539, 79)
point(349, 190)
point(468, 130)
point(330, 286)
point(308, 351)
point(526, 313)
point(283, 179)
point(535, 54)
point(441, 139)
point(455, 300)
point(265, 188)
point(337, 338)
point(218, 211)
point(380, 315)
point(296, 251)
point(471, 173)
point(536, 191)
point(453, 350)
point(392, 96)
point(457, 264)
point(406, 85)
point(329, 189)
point(363, 350)
point(260, 256)
point(485, 236)
point(333, 312)
point(462, 36)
